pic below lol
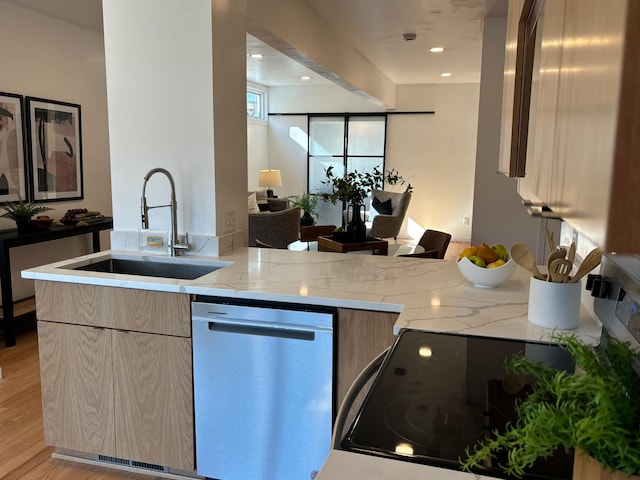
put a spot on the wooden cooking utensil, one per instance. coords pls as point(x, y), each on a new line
point(550, 243)
point(555, 255)
point(572, 252)
point(559, 270)
point(524, 257)
point(591, 261)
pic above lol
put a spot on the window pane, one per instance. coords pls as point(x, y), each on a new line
point(317, 167)
point(326, 136)
point(254, 105)
point(366, 136)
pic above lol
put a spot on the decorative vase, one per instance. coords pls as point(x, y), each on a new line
point(356, 228)
point(306, 220)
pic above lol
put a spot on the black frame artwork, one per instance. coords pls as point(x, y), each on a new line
point(13, 186)
point(55, 150)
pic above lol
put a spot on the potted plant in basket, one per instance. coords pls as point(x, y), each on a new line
point(309, 205)
point(595, 410)
point(21, 212)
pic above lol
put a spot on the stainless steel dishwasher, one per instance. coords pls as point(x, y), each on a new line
point(263, 391)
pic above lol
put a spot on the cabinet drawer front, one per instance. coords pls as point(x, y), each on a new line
point(121, 308)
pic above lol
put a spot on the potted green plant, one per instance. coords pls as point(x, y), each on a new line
point(21, 212)
point(595, 411)
point(352, 188)
point(309, 205)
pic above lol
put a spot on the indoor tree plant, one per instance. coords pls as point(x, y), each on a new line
point(353, 187)
point(309, 205)
point(21, 212)
point(595, 411)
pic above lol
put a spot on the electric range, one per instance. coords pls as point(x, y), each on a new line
point(437, 394)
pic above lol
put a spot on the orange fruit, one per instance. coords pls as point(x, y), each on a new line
point(487, 253)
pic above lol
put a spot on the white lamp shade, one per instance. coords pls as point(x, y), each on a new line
point(269, 178)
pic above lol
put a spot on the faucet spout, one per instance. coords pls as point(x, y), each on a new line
point(174, 247)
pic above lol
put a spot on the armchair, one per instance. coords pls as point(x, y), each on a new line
point(388, 225)
point(277, 229)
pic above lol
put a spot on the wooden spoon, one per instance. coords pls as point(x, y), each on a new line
point(591, 261)
point(524, 257)
point(572, 252)
point(550, 242)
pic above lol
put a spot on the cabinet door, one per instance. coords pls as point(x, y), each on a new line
point(77, 387)
point(154, 399)
point(361, 336)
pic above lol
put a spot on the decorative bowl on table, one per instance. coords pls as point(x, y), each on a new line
point(41, 222)
point(486, 277)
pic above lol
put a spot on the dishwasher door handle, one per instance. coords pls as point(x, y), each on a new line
point(262, 330)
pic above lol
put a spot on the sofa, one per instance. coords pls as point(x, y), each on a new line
point(264, 203)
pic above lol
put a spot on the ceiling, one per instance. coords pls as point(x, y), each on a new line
point(374, 27)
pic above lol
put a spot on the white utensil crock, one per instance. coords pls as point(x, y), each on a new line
point(554, 305)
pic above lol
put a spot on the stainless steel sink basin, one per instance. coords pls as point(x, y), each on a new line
point(160, 267)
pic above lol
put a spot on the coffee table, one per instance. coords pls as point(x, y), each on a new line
point(376, 245)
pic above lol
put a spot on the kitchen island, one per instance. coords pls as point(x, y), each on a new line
point(424, 294)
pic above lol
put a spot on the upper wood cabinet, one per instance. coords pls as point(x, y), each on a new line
point(583, 141)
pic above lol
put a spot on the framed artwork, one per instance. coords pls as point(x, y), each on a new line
point(12, 153)
point(55, 150)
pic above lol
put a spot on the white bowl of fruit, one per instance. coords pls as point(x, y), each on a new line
point(486, 266)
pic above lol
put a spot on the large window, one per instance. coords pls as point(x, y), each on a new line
point(348, 143)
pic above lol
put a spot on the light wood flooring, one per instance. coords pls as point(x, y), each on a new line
point(23, 454)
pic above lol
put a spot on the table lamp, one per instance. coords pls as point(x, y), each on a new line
point(269, 179)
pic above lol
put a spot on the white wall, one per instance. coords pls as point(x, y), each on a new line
point(159, 76)
point(257, 151)
point(435, 152)
point(47, 58)
point(498, 215)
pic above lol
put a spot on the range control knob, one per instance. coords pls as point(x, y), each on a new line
point(599, 286)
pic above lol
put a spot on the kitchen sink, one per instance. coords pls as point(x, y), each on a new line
point(160, 267)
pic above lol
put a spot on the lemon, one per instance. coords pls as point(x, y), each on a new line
point(496, 264)
point(468, 252)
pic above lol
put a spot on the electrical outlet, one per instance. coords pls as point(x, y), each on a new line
point(465, 221)
point(230, 221)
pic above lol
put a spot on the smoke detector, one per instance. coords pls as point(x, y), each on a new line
point(408, 36)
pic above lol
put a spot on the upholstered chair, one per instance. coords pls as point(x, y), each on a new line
point(385, 225)
point(435, 245)
point(277, 229)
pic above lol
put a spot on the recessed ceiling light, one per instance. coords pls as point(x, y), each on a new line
point(436, 50)
point(255, 55)
point(305, 77)
point(445, 74)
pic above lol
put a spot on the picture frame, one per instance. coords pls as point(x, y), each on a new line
point(55, 150)
point(13, 169)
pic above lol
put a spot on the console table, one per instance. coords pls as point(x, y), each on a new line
point(11, 238)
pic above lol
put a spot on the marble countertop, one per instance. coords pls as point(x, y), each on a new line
point(427, 294)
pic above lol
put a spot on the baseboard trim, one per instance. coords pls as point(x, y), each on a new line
point(124, 468)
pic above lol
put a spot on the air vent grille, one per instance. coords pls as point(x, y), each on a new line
point(131, 463)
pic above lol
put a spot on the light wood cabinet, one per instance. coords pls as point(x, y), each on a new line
point(361, 336)
point(115, 391)
point(585, 115)
point(77, 387)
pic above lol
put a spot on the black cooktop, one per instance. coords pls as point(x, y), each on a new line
point(437, 393)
